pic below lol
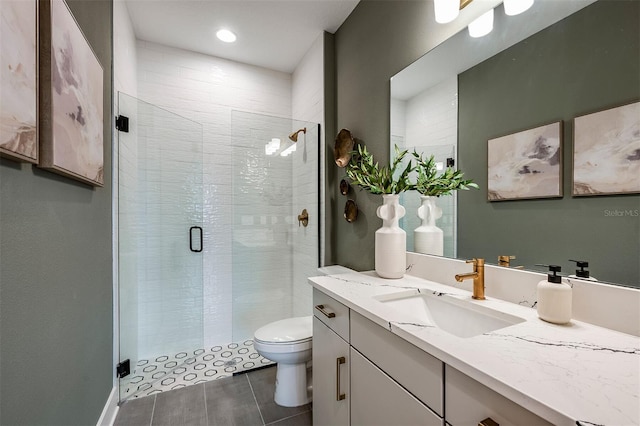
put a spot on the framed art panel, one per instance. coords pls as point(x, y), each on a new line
point(606, 152)
point(71, 110)
point(19, 80)
point(525, 165)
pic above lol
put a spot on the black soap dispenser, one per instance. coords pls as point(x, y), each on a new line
point(554, 298)
point(582, 273)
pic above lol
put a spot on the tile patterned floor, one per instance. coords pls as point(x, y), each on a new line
point(244, 399)
point(170, 372)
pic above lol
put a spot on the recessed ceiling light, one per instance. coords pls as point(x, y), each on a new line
point(226, 36)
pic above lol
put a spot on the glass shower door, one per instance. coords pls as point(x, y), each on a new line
point(273, 180)
point(160, 244)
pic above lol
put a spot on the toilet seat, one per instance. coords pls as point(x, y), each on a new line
point(290, 330)
point(287, 335)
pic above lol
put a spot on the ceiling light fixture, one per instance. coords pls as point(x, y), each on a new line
point(446, 10)
point(226, 36)
point(482, 25)
point(516, 7)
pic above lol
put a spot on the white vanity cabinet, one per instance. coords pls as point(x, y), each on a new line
point(418, 372)
point(378, 400)
point(331, 361)
point(365, 375)
point(468, 402)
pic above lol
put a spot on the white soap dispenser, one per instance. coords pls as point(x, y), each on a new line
point(554, 298)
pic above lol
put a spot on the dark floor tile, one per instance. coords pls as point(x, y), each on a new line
point(135, 412)
point(304, 419)
point(230, 402)
point(263, 383)
point(181, 407)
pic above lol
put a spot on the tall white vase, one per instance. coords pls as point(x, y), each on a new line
point(391, 240)
point(428, 238)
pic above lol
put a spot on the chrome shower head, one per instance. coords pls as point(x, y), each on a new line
point(294, 136)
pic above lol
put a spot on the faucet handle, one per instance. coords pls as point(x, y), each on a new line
point(474, 261)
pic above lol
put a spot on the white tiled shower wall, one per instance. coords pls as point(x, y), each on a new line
point(262, 250)
point(307, 105)
point(428, 122)
point(207, 89)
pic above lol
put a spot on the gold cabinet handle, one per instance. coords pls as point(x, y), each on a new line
point(321, 308)
point(339, 361)
point(488, 422)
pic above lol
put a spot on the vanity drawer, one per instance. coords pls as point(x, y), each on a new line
point(332, 313)
point(416, 370)
point(376, 399)
point(469, 402)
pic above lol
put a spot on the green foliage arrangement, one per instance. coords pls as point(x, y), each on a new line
point(362, 171)
point(367, 174)
point(430, 183)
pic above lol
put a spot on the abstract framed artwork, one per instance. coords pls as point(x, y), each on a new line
point(526, 164)
point(71, 101)
point(19, 80)
point(606, 152)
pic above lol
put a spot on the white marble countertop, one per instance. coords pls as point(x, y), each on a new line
point(567, 374)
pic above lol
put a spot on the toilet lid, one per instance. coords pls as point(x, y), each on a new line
point(286, 330)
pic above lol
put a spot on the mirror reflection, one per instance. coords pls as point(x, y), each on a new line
point(555, 62)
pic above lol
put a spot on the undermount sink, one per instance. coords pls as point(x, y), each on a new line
point(462, 318)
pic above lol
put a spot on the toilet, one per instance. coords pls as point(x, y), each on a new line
point(288, 343)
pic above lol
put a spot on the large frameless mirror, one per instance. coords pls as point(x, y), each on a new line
point(555, 62)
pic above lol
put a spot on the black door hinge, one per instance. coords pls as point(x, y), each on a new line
point(451, 162)
point(123, 369)
point(122, 123)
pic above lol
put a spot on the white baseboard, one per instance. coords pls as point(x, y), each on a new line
point(110, 410)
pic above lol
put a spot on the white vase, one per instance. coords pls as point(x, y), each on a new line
point(391, 240)
point(428, 238)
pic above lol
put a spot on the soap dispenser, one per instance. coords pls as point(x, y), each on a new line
point(554, 298)
point(582, 273)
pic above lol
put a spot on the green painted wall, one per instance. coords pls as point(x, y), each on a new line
point(56, 277)
point(588, 62)
point(380, 38)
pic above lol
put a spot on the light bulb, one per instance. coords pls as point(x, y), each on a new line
point(482, 25)
point(515, 7)
point(446, 10)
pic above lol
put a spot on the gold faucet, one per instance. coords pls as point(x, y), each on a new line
point(478, 278)
point(505, 260)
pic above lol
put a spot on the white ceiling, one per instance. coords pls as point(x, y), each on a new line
point(274, 34)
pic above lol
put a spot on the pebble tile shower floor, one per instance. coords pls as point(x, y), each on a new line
point(170, 372)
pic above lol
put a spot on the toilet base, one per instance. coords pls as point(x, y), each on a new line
point(291, 385)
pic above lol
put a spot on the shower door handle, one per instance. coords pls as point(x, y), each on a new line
point(199, 229)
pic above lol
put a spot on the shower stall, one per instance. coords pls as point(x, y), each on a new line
point(210, 247)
